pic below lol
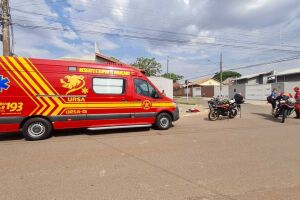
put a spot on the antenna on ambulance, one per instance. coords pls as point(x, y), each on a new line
point(97, 49)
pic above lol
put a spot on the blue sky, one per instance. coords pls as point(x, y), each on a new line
point(196, 31)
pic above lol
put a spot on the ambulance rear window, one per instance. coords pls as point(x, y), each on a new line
point(109, 85)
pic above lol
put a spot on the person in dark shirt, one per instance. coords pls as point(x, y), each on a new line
point(239, 99)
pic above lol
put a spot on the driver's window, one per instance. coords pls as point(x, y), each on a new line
point(153, 93)
point(143, 88)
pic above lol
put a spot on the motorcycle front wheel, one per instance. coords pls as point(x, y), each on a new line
point(284, 115)
point(276, 114)
point(213, 115)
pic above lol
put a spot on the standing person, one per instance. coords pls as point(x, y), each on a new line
point(297, 98)
point(272, 99)
point(239, 99)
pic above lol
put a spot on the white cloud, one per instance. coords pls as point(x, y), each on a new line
point(256, 4)
point(71, 35)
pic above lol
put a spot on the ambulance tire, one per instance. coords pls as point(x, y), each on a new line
point(163, 121)
point(37, 129)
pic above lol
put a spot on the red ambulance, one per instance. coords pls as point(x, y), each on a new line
point(38, 96)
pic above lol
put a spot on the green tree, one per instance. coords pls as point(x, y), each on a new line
point(149, 65)
point(174, 77)
point(226, 75)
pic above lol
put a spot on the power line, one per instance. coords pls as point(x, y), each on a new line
point(29, 3)
point(133, 10)
point(166, 40)
point(103, 4)
point(171, 45)
point(159, 31)
point(169, 32)
point(251, 66)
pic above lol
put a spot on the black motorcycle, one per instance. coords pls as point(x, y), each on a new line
point(222, 108)
point(214, 101)
point(285, 108)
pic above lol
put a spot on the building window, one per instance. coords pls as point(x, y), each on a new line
point(143, 88)
point(109, 85)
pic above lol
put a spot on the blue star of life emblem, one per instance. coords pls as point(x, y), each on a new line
point(4, 83)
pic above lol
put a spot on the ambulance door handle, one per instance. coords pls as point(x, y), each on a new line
point(124, 99)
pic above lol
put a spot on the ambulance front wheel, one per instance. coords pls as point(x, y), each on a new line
point(163, 121)
point(37, 129)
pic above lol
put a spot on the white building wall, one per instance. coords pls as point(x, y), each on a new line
point(262, 91)
point(225, 91)
point(233, 89)
point(265, 79)
point(278, 86)
point(163, 84)
point(252, 81)
point(258, 92)
point(289, 86)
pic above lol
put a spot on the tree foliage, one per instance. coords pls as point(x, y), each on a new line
point(226, 75)
point(149, 65)
point(174, 77)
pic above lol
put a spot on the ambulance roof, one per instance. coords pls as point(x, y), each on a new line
point(85, 64)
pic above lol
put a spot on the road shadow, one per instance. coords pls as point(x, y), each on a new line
point(11, 136)
point(271, 118)
point(73, 132)
point(268, 117)
point(222, 118)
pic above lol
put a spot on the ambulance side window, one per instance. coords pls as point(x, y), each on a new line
point(109, 86)
point(143, 88)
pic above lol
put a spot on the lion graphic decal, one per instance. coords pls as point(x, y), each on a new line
point(73, 83)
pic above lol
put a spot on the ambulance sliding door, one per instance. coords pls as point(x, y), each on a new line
point(108, 102)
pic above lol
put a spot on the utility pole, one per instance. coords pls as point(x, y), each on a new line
point(168, 67)
point(5, 27)
point(187, 89)
point(221, 73)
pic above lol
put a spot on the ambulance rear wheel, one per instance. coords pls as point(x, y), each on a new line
point(163, 121)
point(37, 129)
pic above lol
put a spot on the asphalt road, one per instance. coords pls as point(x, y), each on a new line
point(255, 157)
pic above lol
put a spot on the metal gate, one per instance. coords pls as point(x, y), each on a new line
point(207, 91)
point(197, 92)
point(258, 92)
